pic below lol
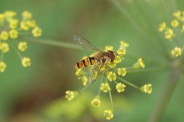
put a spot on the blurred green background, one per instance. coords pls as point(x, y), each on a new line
point(36, 94)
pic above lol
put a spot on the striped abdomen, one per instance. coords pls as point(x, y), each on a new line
point(86, 62)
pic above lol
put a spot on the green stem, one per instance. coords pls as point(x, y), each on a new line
point(165, 96)
point(53, 43)
point(128, 83)
point(110, 96)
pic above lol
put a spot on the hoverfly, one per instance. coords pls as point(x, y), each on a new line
point(100, 57)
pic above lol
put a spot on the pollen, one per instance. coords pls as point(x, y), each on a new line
point(111, 76)
point(176, 52)
point(4, 35)
point(174, 23)
point(120, 87)
point(69, 95)
point(26, 62)
point(96, 102)
point(162, 26)
point(122, 71)
point(105, 87)
point(2, 66)
point(13, 34)
point(37, 32)
point(22, 46)
point(4, 47)
point(147, 88)
point(108, 114)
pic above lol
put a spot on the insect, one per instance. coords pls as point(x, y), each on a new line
point(100, 58)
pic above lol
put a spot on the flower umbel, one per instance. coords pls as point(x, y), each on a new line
point(101, 65)
point(10, 34)
point(174, 31)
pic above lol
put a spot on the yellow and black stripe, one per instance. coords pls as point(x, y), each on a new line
point(85, 62)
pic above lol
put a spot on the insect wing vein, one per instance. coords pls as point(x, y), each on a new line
point(84, 43)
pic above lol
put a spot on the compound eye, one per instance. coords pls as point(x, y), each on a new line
point(111, 55)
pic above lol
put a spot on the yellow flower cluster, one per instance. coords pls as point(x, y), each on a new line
point(110, 72)
point(173, 29)
point(10, 28)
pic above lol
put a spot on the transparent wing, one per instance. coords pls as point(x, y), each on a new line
point(84, 43)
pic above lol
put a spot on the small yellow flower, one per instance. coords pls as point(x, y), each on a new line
point(13, 34)
point(121, 51)
point(111, 64)
point(31, 23)
point(26, 62)
point(84, 80)
point(37, 32)
point(1, 18)
point(174, 23)
point(120, 87)
point(22, 46)
point(169, 34)
point(4, 35)
point(95, 102)
point(94, 76)
point(13, 23)
point(26, 15)
point(69, 95)
point(2, 66)
point(10, 14)
point(24, 25)
point(109, 48)
point(139, 64)
point(177, 14)
point(162, 26)
point(118, 59)
point(108, 114)
point(105, 87)
point(111, 76)
point(78, 72)
point(4, 47)
point(124, 45)
point(176, 52)
point(147, 88)
point(122, 71)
